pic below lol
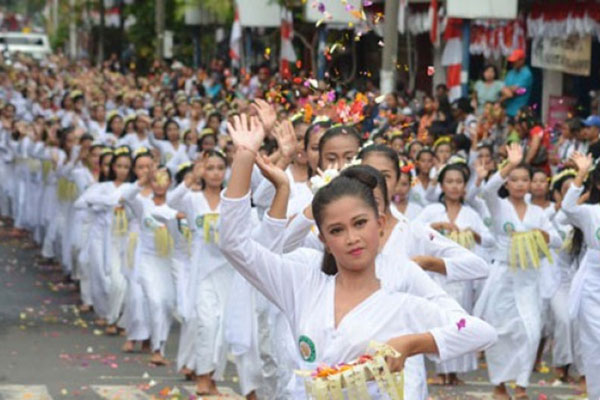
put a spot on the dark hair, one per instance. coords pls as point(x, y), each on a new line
point(138, 155)
point(312, 128)
point(167, 123)
point(341, 186)
point(110, 121)
point(503, 191)
point(111, 173)
point(213, 153)
point(62, 137)
point(203, 138)
point(385, 151)
point(180, 175)
point(102, 177)
point(86, 136)
point(334, 132)
point(365, 173)
point(488, 66)
point(460, 167)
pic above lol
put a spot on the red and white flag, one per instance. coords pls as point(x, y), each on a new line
point(287, 55)
point(235, 41)
point(452, 58)
point(434, 34)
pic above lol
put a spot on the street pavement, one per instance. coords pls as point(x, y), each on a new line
point(49, 351)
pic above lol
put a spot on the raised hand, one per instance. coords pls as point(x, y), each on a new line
point(582, 162)
point(514, 154)
point(480, 169)
point(246, 134)
point(266, 113)
point(270, 171)
point(286, 139)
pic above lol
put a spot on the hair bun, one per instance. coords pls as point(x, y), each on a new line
point(363, 174)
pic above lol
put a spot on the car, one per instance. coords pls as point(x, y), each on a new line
point(35, 45)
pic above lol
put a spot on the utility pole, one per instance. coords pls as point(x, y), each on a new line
point(160, 28)
point(100, 54)
point(72, 30)
point(390, 48)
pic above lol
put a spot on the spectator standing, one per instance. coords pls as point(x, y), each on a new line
point(519, 82)
point(488, 89)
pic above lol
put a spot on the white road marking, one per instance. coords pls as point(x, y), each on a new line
point(20, 392)
point(120, 392)
point(224, 390)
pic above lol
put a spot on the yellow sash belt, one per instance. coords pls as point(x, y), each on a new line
point(120, 223)
point(133, 239)
point(163, 241)
point(464, 238)
point(525, 249)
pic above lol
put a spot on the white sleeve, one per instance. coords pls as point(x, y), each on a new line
point(270, 233)
point(461, 264)
point(577, 213)
point(490, 193)
point(129, 195)
point(454, 334)
point(277, 278)
point(296, 232)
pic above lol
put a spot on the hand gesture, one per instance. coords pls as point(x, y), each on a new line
point(270, 171)
point(246, 134)
point(286, 139)
point(199, 169)
point(402, 345)
point(582, 162)
point(266, 113)
point(514, 153)
point(480, 169)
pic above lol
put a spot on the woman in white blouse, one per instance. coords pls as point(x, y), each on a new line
point(337, 310)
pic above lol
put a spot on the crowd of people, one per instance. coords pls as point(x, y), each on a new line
point(291, 223)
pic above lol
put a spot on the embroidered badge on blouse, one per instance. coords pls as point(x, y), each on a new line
point(487, 222)
point(508, 227)
point(598, 233)
point(307, 349)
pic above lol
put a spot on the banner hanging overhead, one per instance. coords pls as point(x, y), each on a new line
point(472, 9)
point(571, 55)
point(259, 13)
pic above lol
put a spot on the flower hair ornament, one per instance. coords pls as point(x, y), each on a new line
point(564, 173)
point(442, 140)
point(324, 178)
point(122, 150)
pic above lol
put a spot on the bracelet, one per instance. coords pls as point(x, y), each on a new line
point(242, 147)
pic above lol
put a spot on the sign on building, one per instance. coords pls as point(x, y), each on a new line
point(571, 55)
point(341, 13)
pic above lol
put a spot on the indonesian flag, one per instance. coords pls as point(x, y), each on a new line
point(235, 41)
point(434, 34)
point(452, 58)
point(287, 55)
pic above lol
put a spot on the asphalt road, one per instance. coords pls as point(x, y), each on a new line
point(49, 351)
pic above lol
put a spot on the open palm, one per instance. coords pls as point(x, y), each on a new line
point(246, 133)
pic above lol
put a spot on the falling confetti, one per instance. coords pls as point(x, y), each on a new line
point(461, 324)
point(430, 70)
point(380, 43)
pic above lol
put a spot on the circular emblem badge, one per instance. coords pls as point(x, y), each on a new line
point(487, 221)
point(598, 233)
point(307, 349)
point(200, 221)
point(148, 222)
point(508, 227)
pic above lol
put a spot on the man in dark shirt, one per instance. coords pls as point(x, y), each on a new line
point(592, 126)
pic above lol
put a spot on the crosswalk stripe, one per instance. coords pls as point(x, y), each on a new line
point(20, 392)
point(224, 391)
point(120, 392)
